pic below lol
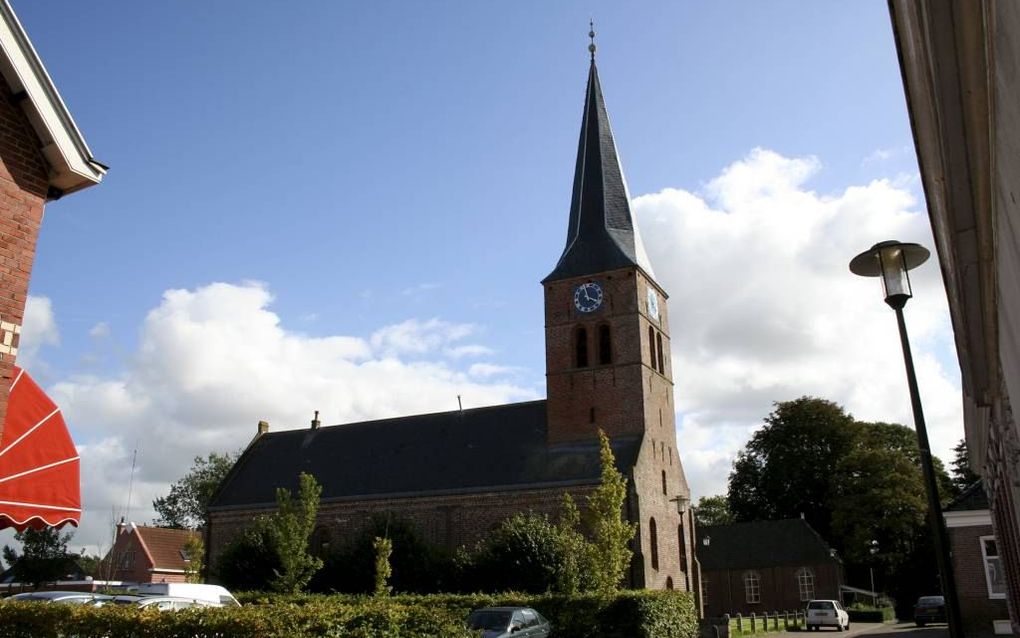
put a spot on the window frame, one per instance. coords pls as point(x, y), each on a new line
point(985, 562)
point(805, 577)
point(752, 587)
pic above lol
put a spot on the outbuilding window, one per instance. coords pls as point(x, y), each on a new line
point(995, 577)
point(806, 583)
point(752, 587)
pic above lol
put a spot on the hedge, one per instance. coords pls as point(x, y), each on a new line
point(884, 614)
point(636, 614)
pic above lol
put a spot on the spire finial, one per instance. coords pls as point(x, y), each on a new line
point(591, 34)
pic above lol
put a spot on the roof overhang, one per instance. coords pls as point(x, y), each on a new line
point(946, 64)
point(70, 161)
point(967, 518)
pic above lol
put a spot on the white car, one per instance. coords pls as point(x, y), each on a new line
point(826, 613)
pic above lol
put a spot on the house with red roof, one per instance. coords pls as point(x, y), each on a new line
point(147, 555)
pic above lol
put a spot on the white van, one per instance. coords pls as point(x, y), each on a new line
point(208, 593)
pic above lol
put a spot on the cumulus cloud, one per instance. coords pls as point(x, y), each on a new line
point(763, 306)
point(212, 362)
point(38, 329)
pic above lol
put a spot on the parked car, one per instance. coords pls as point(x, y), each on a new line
point(172, 603)
point(61, 597)
point(503, 622)
point(826, 613)
point(929, 609)
point(209, 593)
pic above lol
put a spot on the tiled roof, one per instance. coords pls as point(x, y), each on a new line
point(972, 498)
point(492, 448)
point(164, 545)
point(788, 542)
point(601, 234)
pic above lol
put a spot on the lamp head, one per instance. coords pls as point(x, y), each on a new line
point(891, 260)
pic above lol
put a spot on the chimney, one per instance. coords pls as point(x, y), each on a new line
point(121, 526)
point(315, 421)
point(263, 427)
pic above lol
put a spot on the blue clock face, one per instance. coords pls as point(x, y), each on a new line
point(588, 297)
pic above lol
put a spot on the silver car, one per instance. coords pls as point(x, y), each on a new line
point(61, 597)
point(503, 622)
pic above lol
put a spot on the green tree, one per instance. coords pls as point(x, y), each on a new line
point(576, 552)
point(713, 510)
point(609, 531)
point(185, 506)
point(194, 550)
point(249, 561)
point(521, 554)
point(289, 530)
point(43, 556)
point(383, 571)
point(787, 467)
point(961, 475)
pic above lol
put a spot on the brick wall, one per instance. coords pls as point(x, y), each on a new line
point(23, 187)
point(779, 589)
point(977, 608)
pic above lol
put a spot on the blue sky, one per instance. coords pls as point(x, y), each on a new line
point(355, 202)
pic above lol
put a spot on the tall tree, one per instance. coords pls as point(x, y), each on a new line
point(961, 475)
point(194, 550)
point(43, 556)
point(289, 531)
point(185, 506)
point(787, 467)
point(713, 510)
point(609, 530)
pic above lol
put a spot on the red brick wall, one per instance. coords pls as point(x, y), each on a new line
point(779, 589)
point(976, 608)
point(23, 187)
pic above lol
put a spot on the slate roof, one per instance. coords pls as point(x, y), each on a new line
point(491, 448)
point(759, 544)
point(163, 545)
point(601, 234)
point(972, 498)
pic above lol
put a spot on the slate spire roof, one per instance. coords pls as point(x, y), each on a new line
point(601, 234)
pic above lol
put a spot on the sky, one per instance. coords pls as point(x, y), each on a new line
point(348, 207)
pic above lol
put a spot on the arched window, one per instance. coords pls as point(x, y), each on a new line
point(806, 583)
point(664, 481)
point(683, 547)
point(752, 587)
point(651, 345)
point(669, 582)
point(605, 345)
point(653, 537)
point(581, 348)
point(658, 341)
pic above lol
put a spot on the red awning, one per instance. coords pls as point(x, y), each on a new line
point(39, 467)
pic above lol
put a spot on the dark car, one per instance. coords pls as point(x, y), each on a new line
point(503, 622)
point(929, 609)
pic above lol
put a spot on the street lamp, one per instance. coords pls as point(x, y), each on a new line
point(891, 260)
point(681, 504)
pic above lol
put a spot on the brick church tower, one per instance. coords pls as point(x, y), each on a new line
point(607, 347)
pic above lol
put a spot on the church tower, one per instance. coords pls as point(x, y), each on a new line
point(608, 349)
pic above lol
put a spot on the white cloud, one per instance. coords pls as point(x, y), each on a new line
point(100, 331)
point(214, 361)
point(764, 308)
point(487, 370)
point(39, 328)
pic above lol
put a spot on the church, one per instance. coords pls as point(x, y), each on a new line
point(457, 475)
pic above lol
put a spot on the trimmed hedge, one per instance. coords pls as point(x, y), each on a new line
point(884, 614)
point(630, 614)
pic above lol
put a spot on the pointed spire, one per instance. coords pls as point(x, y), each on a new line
point(601, 234)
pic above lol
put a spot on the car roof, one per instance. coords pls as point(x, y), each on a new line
point(505, 609)
point(56, 594)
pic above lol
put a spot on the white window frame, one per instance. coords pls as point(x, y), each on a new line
point(752, 587)
point(984, 564)
point(806, 583)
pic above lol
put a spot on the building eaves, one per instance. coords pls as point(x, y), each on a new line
point(72, 166)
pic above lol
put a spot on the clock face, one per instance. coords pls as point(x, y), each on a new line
point(588, 297)
point(653, 304)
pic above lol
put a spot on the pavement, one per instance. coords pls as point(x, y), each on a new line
point(884, 630)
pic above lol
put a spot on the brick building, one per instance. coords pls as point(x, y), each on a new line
point(977, 565)
point(146, 555)
point(43, 156)
point(961, 78)
point(456, 475)
point(765, 566)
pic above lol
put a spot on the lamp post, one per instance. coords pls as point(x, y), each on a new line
point(891, 260)
point(873, 549)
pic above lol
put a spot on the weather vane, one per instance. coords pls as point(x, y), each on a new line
point(591, 34)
